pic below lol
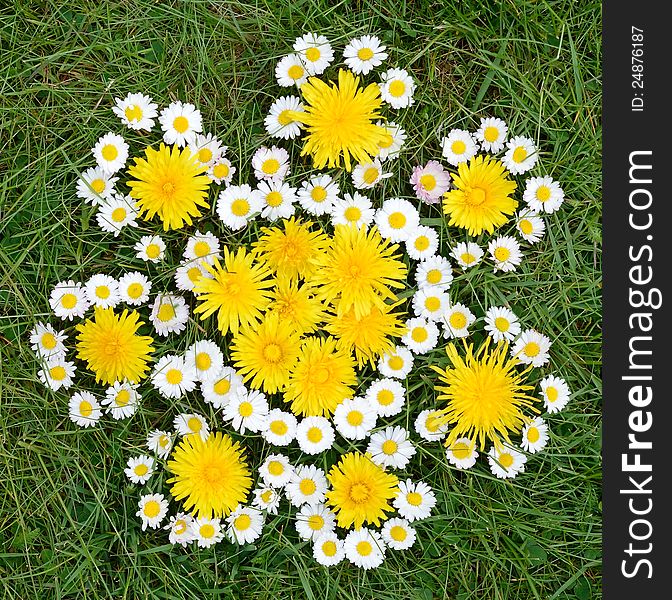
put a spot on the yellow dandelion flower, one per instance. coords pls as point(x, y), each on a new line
point(297, 305)
point(321, 379)
point(238, 291)
point(265, 353)
point(171, 184)
point(360, 491)
point(368, 336)
point(340, 121)
point(111, 347)
point(292, 251)
point(480, 198)
point(485, 394)
point(211, 475)
point(358, 270)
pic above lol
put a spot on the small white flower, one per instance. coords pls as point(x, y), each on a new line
point(467, 254)
point(179, 122)
point(280, 427)
point(121, 399)
point(139, 468)
point(317, 195)
point(501, 323)
point(430, 303)
point(391, 448)
point(364, 548)
point(278, 200)
point(456, 321)
point(328, 550)
point(189, 423)
point(102, 291)
point(398, 363)
point(398, 534)
point(170, 314)
point(389, 148)
point(95, 186)
point(354, 209)
point(397, 219)
point(150, 248)
point(462, 453)
point(152, 508)
point(207, 532)
point(84, 409)
point(247, 411)
point(203, 246)
point(434, 272)
point(367, 175)
point(160, 442)
point(530, 226)
point(266, 498)
point(46, 341)
point(415, 500)
point(136, 111)
point(189, 273)
point(110, 152)
point(270, 163)
point(237, 204)
point(543, 194)
point(422, 335)
point(397, 88)
point(555, 393)
point(57, 373)
point(244, 525)
point(180, 528)
point(531, 348)
point(316, 52)
point(307, 485)
point(206, 148)
point(290, 71)
point(458, 146)
point(521, 155)
point(134, 288)
point(276, 471)
point(506, 462)
point(219, 390)
point(505, 252)
point(422, 243)
point(313, 521)
point(363, 54)
point(428, 428)
point(386, 396)
point(222, 171)
point(172, 377)
point(315, 435)
point(535, 435)
point(492, 134)
point(279, 122)
point(206, 358)
point(354, 418)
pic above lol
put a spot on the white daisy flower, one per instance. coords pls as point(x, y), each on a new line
point(315, 435)
point(535, 435)
point(415, 500)
point(430, 303)
point(237, 204)
point(555, 393)
point(172, 377)
point(397, 363)
point(364, 53)
point(428, 428)
point(189, 273)
point(290, 71)
point(247, 411)
point(206, 148)
point(397, 219)
point(84, 410)
point(270, 163)
point(507, 462)
point(102, 291)
point(491, 134)
point(354, 418)
point(366, 175)
point(462, 453)
point(316, 52)
point(434, 272)
point(521, 155)
point(69, 300)
point(354, 209)
point(532, 348)
point(180, 528)
point(244, 525)
point(179, 122)
point(278, 200)
point(136, 111)
point(390, 147)
point(110, 152)
point(543, 194)
point(458, 146)
point(501, 323)
point(46, 342)
point(386, 396)
point(206, 358)
point(307, 485)
point(150, 248)
point(317, 195)
point(189, 423)
point(422, 243)
point(121, 399)
point(279, 122)
point(95, 186)
point(221, 171)
point(430, 182)
point(219, 390)
point(364, 548)
point(276, 471)
point(160, 442)
point(530, 227)
point(422, 335)
point(456, 321)
point(152, 508)
point(313, 521)
point(397, 88)
point(328, 550)
point(57, 373)
point(505, 252)
point(266, 498)
point(467, 254)
point(391, 448)
point(170, 314)
point(280, 427)
point(203, 246)
point(398, 534)
point(139, 468)
point(134, 288)
point(207, 532)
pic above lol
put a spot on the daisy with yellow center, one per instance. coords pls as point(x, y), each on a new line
point(297, 305)
point(340, 121)
point(360, 491)
point(238, 291)
point(210, 476)
point(111, 347)
point(481, 196)
point(170, 183)
point(484, 393)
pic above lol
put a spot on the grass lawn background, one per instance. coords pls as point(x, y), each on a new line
point(67, 524)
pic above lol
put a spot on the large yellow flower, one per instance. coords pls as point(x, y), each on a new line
point(481, 196)
point(111, 347)
point(211, 476)
point(296, 304)
point(322, 378)
point(340, 121)
point(266, 353)
point(360, 491)
point(358, 270)
point(170, 184)
point(238, 293)
point(485, 395)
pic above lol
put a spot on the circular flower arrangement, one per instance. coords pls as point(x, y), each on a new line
point(308, 330)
